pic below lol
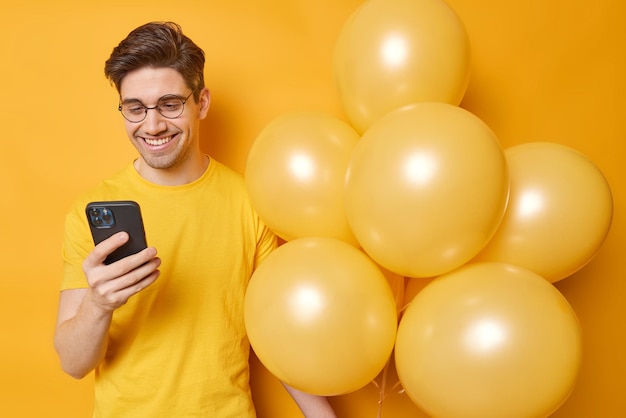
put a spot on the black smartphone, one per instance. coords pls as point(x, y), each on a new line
point(108, 218)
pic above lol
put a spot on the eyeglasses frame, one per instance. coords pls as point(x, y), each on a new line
point(146, 108)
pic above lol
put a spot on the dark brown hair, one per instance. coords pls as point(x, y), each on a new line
point(157, 45)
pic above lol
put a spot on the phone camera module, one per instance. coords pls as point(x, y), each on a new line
point(101, 217)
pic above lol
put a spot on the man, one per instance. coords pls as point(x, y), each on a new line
point(165, 334)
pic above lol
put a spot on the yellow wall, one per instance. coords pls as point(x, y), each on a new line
point(550, 70)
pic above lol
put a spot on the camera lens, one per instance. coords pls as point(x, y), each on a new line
point(106, 215)
point(97, 220)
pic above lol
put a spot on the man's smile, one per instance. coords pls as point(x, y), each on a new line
point(158, 141)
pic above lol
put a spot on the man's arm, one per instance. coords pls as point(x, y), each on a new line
point(81, 334)
point(312, 406)
point(84, 315)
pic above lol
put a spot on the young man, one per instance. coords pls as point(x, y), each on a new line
point(165, 334)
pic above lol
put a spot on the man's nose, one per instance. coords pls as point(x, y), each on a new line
point(154, 121)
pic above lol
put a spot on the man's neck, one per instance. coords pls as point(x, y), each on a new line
point(179, 175)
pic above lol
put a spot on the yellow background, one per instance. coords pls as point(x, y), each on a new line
point(549, 70)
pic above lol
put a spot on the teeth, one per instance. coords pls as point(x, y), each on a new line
point(160, 141)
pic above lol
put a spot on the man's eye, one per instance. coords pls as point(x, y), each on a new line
point(134, 109)
point(170, 105)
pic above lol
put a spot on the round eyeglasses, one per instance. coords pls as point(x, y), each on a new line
point(169, 106)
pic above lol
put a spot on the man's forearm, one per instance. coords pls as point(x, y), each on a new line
point(81, 340)
point(311, 406)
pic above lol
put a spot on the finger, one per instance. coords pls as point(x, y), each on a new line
point(137, 274)
point(104, 248)
point(115, 292)
point(140, 285)
point(137, 286)
point(134, 261)
point(111, 278)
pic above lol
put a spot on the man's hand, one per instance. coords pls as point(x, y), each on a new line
point(85, 315)
point(112, 285)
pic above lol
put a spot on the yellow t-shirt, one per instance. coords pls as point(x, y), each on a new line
point(179, 348)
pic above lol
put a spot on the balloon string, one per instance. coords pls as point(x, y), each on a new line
point(404, 308)
point(398, 290)
point(382, 388)
point(400, 392)
point(399, 296)
point(381, 392)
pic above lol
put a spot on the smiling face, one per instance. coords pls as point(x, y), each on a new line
point(168, 148)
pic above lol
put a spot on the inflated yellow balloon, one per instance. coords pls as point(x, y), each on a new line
point(320, 316)
point(391, 53)
point(559, 214)
point(426, 189)
point(489, 340)
point(295, 174)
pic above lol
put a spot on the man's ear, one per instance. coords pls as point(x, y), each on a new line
point(204, 102)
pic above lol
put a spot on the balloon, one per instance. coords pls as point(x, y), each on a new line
point(489, 340)
point(320, 316)
point(559, 213)
point(295, 172)
point(426, 188)
point(391, 53)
